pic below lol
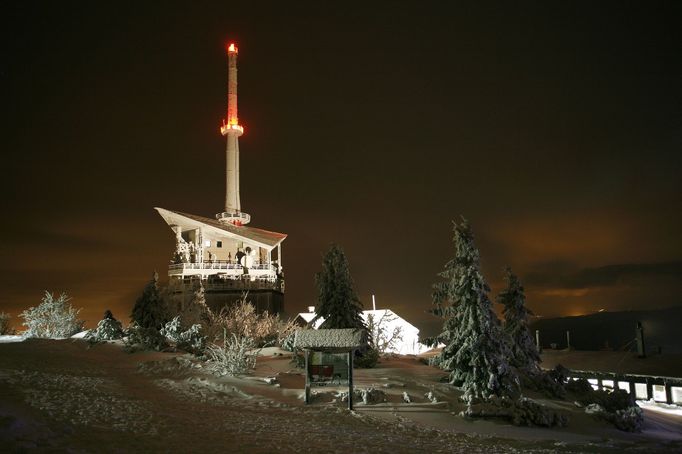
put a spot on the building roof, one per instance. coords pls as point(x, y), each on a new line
point(330, 339)
point(262, 238)
point(386, 315)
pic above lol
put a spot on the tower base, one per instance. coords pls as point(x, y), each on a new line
point(219, 294)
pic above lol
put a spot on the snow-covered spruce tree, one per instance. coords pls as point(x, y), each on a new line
point(475, 349)
point(196, 312)
point(52, 318)
point(150, 310)
point(337, 302)
point(524, 354)
point(107, 329)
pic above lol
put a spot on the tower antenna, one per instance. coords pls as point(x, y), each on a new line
point(232, 130)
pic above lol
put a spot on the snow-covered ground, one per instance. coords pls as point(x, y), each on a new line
point(59, 395)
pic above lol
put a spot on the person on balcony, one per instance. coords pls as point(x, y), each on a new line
point(239, 255)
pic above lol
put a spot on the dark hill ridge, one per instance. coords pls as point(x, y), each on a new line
point(662, 328)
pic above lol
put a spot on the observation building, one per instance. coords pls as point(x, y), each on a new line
point(223, 253)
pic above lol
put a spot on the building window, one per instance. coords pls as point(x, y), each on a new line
point(218, 244)
point(207, 243)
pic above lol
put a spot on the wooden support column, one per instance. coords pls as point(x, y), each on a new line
point(350, 380)
point(600, 385)
point(307, 376)
point(631, 385)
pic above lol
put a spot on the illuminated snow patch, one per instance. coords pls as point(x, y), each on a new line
point(660, 407)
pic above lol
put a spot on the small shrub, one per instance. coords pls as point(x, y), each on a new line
point(52, 318)
point(235, 357)
point(4, 324)
point(190, 340)
point(617, 407)
point(243, 321)
point(107, 329)
point(141, 338)
point(367, 359)
point(552, 383)
point(520, 412)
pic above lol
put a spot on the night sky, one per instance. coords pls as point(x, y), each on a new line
point(554, 127)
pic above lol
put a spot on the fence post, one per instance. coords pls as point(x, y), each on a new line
point(649, 389)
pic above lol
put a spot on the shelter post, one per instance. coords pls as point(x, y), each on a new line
point(307, 376)
point(350, 379)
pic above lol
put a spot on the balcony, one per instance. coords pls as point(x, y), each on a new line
point(222, 275)
point(224, 269)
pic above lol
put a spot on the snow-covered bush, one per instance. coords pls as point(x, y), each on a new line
point(382, 337)
point(141, 338)
point(552, 383)
point(4, 324)
point(191, 339)
point(243, 320)
point(107, 329)
point(366, 359)
point(520, 412)
point(617, 407)
point(236, 356)
point(52, 318)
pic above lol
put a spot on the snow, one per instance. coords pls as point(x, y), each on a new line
point(65, 395)
point(80, 335)
point(349, 338)
point(7, 338)
point(660, 407)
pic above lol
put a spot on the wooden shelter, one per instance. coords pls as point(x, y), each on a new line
point(329, 356)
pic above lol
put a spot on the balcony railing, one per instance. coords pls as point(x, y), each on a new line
point(219, 265)
point(223, 268)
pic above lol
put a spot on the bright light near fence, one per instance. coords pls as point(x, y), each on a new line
point(624, 385)
point(676, 391)
point(607, 383)
point(659, 393)
point(594, 382)
point(640, 391)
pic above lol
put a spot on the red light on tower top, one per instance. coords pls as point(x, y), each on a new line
point(231, 122)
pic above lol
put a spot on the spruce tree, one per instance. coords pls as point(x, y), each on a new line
point(475, 348)
point(196, 312)
point(150, 310)
point(107, 329)
point(337, 302)
point(524, 354)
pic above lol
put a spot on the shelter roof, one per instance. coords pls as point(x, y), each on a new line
point(335, 339)
point(262, 238)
